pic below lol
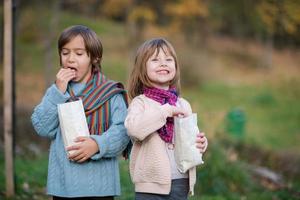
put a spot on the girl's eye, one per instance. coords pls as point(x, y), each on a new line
point(169, 59)
point(154, 59)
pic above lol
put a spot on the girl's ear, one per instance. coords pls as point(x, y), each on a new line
point(95, 60)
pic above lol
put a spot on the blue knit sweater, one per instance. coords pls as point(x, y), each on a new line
point(100, 175)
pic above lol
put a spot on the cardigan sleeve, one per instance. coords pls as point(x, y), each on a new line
point(44, 117)
point(186, 105)
point(113, 141)
point(145, 117)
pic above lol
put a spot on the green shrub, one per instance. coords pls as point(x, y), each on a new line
point(221, 177)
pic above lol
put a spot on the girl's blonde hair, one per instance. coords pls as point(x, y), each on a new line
point(139, 78)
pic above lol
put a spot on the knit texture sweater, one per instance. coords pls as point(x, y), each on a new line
point(150, 167)
point(99, 176)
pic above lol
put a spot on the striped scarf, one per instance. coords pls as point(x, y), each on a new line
point(95, 97)
point(164, 96)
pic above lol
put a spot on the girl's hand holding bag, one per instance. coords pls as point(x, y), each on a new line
point(186, 153)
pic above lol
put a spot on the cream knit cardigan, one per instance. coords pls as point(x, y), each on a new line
point(150, 168)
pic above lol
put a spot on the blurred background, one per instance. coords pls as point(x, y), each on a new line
point(240, 70)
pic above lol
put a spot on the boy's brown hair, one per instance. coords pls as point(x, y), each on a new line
point(92, 43)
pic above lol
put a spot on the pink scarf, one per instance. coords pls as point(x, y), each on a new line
point(164, 96)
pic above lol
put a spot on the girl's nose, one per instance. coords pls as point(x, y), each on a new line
point(163, 63)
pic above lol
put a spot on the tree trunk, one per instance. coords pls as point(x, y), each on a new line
point(9, 97)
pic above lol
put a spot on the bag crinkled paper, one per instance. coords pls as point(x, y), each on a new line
point(72, 121)
point(187, 155)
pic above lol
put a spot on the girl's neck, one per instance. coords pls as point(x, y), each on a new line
point(163, 87)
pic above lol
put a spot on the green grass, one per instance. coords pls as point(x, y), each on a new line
point(218, 178)
point(127, 187)
point(30, 177)
point(272, 112)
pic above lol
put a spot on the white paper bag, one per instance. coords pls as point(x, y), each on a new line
point(187, 155)
point(72, 121)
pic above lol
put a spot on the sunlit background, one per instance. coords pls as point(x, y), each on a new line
point(240, 70)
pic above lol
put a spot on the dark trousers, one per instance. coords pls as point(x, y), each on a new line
point(83, 198)
point(179, 191)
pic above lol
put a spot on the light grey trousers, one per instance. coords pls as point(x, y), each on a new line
point(179, 191)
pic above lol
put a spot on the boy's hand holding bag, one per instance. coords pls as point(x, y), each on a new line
point(72, 122)
point(187, 155)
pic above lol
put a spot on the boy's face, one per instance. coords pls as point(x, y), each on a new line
point(75, 57)
point(161, 69)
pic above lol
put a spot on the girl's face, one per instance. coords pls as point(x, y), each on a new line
point(161, 69)
point(74, 56)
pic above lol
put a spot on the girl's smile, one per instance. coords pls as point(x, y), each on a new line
point(162, 72)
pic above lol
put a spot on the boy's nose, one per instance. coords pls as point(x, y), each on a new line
point(71, 57)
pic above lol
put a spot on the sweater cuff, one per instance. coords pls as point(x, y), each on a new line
point(55, 96)
point(102, 145)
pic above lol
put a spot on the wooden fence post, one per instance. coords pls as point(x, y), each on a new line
point(8, 97)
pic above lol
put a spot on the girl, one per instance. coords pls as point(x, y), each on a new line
point(154, 87)
point(91, 170)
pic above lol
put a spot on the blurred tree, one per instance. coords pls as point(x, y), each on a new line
point(116, 9)
point(83, 7)
point(38, 23)
point(1, 32)
point(159, 8)
point(237, 18)
point(139, 17)
point(190, 17)
point(281, 19)
point(50, 39)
